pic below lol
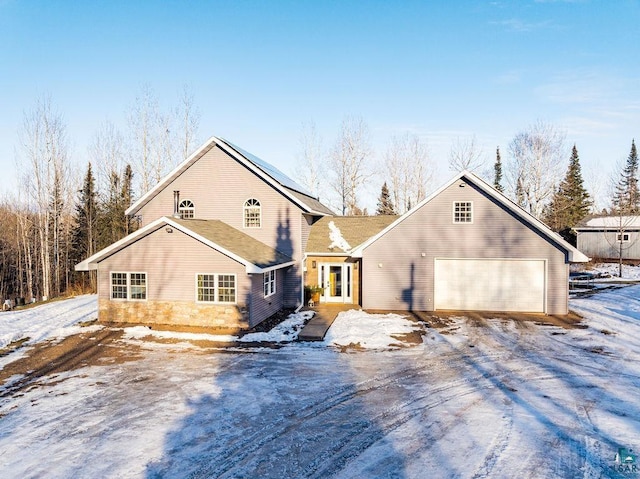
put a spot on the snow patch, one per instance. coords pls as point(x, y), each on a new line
point(337, 241)
point(141, 332)
point(286, 331)
point(370, 331)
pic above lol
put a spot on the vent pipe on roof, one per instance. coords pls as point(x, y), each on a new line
point(176, 203)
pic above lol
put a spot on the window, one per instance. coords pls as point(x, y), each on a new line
point(462, 212)
point(131, 286)
point(216, 288)
point(118, 285)
point(623, 237)
point(186, 209)
point(252, 210)
point(269, 283)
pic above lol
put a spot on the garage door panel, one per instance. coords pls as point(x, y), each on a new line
point(490, 285)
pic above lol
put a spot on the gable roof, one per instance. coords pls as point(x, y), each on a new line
point(354, 229)
point(256, 256)
point(575, 256)
point(609, 222)
point(267, 172)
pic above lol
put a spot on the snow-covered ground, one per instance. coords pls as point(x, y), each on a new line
point(502, 399)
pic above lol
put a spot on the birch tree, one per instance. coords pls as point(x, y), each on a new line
point(44, 149)
point(349, 163)
point(407, 170)
point(310, 168)
point(536, 158)
point(187, 124)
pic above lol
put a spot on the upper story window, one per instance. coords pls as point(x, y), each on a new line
point(186, 209)
point(252, 213)
point(463, 212)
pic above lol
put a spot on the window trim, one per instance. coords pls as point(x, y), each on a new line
point(216, 288)
point(257, 205)
point(469, 212)
point(269, 283)
point(186, 208)
point(620, 237)
point(128, 286)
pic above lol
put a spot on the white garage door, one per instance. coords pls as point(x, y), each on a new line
point(490, 285)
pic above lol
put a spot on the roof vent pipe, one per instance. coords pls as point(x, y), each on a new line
point(176, 203)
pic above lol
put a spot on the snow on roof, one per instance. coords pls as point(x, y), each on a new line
point(337, 241)
point(613, 222)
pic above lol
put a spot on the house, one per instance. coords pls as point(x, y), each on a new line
point(467, 247)
point(610, 237)
point(221, 243)
point(226, 240)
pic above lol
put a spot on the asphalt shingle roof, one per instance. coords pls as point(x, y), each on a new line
point(236, 242)
point(355, 230)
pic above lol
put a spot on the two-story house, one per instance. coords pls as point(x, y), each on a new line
point(227, 240)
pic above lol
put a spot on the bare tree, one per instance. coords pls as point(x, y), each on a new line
point(408, 171)
point(465, 154)
point(348, 162)
point(44, 148)
point(143, 127)
point(310, 170)
point(187, 124)
point(537, 159)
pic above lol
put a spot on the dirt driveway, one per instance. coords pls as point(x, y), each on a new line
point(104, 347)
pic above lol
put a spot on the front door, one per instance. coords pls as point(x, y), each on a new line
point(335, 279)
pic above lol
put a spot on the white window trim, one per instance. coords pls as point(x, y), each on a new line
point(621, 237)
point(269, 280)
point(215, 290)
point(128, 286)
point(182, 209)
point(453, 213)
point(244, 213)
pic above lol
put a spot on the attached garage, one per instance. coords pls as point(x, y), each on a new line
point(490, 284)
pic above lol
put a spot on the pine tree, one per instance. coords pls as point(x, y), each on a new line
point(84, 238)
point(497, 168)
point(570, 202)
point(626, 198)
point(385, 204)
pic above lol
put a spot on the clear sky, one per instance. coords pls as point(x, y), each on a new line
point(258, 69)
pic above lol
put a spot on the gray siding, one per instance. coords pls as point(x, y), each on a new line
point(261, 307)
point(219, 186)
point(171, 261)
point(398, 269)
point(600, 244)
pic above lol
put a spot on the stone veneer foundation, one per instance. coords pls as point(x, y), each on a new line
point(173, 312)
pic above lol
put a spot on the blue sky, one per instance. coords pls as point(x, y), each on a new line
point(259, 69)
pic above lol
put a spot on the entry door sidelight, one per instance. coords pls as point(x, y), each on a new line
point(336, 282)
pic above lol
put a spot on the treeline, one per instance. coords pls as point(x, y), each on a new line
point(61, 214)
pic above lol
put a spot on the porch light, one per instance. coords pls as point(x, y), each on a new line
point(313, 264)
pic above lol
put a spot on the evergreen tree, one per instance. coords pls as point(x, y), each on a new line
point(113, 223)
point(84, 237)
point(385, 204)
point(570, 202)
point(626, 199)
point(497, 168)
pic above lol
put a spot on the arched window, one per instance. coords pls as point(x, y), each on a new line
point(252, 213)
point(186, 209)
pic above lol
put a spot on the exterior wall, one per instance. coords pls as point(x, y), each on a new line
point(261, 307)
point(398, 269)
point(219, 186)
point(182, 313)
point(311, 275)
point(601, 244)
point(171, 262)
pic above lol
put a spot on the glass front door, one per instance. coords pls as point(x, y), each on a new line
point(335, 280)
